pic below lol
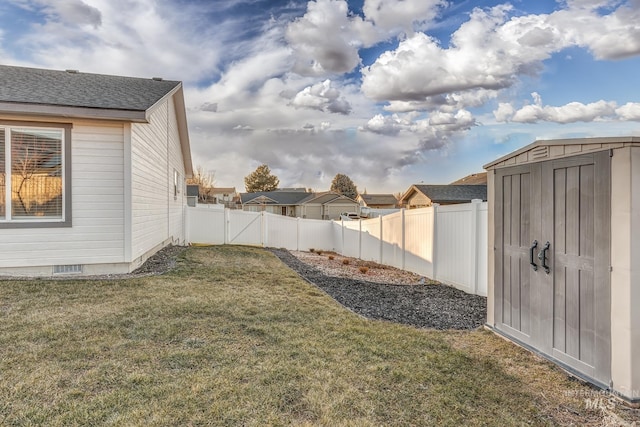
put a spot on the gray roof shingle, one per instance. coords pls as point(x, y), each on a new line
point(453, 193)
point(70, 89)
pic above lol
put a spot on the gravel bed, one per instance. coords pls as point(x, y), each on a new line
point(425, 306)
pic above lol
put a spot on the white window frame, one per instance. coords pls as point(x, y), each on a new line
point(40, 221)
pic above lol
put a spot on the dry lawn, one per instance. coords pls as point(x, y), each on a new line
point(233, 337)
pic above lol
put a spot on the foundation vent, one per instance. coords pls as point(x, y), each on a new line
point(67, 269)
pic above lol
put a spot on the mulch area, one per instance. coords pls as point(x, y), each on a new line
point(435, 306)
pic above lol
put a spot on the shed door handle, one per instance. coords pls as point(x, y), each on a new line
point(533, 247)
point(542, 256)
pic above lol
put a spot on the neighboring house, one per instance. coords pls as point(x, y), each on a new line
point(479, 178)
point(193, 195)
point(327, 205)
point(421, 196)
point(224, 195)
point(281, 202)
point(377, 201)
point(299, 203)
point(92, 171)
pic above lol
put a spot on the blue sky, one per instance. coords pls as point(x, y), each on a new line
point(389, 92)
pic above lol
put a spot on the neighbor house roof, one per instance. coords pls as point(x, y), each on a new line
point(324, 197)
point(274, 197)
point(34, 91)
point(223, 190)
point(378, 199)
point(449, 193)
point(479, 178)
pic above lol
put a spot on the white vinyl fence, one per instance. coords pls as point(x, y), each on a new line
point(445, 243)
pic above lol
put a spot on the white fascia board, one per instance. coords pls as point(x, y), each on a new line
point(22, 109)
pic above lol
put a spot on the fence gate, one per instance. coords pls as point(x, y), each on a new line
point(552, 292)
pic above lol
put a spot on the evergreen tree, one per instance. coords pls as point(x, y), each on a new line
point(261, 180)
point(344, 185)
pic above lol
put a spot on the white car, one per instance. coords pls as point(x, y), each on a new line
point(349, 216)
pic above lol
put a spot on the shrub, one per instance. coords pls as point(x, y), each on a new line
point(312, 250)
point(319, 252)
point(331, 257)
point(364, 270)
point(345, 261)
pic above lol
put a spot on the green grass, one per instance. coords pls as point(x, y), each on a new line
point(233, 337)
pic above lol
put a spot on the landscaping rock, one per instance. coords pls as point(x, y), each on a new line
point(435, 306)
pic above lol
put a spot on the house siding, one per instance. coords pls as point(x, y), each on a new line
point(418, 200)
point(333, 210)
point(97, 189)
point(157, 215)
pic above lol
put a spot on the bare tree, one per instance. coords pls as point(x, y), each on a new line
point(205, 180)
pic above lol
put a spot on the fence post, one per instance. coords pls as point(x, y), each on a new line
point(297, 233)
point(475, 204)
point(225, 225)
point(342, 231)
point(403, 238)
point(360, 238)
point(381, 241)
point(434, 242)
point(263, 229)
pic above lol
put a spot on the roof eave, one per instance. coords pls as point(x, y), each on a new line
point(26, 109)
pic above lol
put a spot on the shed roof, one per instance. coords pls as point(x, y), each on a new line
point(450, 193)
point(558, 148)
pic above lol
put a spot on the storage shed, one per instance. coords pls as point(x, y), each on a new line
point(564, 258)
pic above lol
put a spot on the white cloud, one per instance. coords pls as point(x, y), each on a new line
point(322, 96)
point(128, 37)
point(493, 50)
point(629, 111)
point(386, 125)
point(612, 36)
point(326, 39)
point(433, 132)
point(487, 52)
point(401, 15)
point(568, 113)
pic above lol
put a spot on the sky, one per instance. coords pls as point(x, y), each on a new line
point(389, 92)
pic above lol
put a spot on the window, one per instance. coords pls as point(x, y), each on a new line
point(176, 184)
point(33, 175)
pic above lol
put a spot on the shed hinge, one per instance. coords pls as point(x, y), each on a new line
point(610, 152)
point(610, 268)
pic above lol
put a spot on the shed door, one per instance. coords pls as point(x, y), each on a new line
point(517, 216)
point(567, 310)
